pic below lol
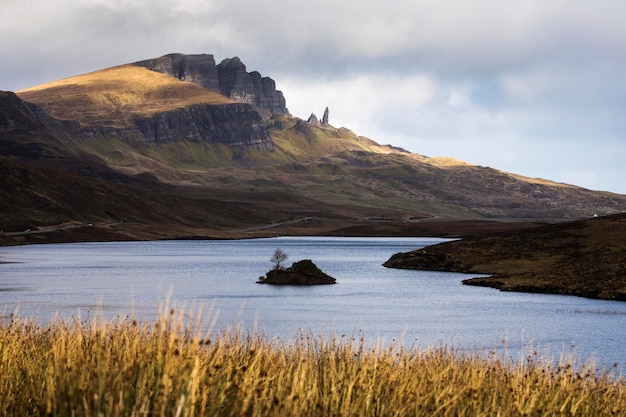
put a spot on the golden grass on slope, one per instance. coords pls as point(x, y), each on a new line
point(169, 368)
point(313, 142)
point(444, 161)
point(111, 96)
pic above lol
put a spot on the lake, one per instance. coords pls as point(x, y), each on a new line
point(382, 305)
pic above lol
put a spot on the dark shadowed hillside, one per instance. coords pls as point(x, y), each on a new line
point(585, 258)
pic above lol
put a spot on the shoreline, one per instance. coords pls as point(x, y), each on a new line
point(309, 226)
point(583, 258)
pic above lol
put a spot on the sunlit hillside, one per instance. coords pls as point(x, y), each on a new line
point(111, 97)
point(172, 137)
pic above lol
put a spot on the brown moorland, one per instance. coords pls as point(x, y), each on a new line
point(584, 258)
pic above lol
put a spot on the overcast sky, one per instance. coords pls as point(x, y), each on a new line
point(534, 87)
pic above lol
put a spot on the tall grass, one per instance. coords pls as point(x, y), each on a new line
point(168, 368)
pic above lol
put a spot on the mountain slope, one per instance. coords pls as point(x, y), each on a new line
point(113, 96)
point(335, 164)
point(21, 133)
point(136, 105)
point(140, 127)
point(51, 187)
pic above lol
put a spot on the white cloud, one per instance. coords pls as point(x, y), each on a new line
point(360, 102)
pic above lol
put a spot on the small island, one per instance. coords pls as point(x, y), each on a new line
point(303, 272)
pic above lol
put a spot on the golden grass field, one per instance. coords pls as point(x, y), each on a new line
point(167, 368)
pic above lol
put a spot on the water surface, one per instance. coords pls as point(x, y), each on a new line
point(414, 307)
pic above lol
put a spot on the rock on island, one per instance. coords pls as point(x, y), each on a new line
point(303, 272)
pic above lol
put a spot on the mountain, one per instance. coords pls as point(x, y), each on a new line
point(585, 258)
point(230, 78)
point(202, 133)
point(136, 105)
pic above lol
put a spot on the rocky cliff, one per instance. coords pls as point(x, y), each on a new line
point(198, 69)
point(137, 105)
point(230, 78)
point(236, 125)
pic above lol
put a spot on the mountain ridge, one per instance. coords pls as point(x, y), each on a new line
point(92, 98)
point(134, 104)
point(228, 78)
point(132, 125)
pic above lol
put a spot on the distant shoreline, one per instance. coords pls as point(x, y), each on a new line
point(125, 231)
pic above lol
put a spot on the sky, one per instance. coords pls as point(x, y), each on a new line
point(533, 87)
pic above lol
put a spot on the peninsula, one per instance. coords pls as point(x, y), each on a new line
point(585, 258)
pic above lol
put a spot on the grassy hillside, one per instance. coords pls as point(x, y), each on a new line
point(50, 199)
point(349, 177)
point(111, 97)
point(303, 142)
point(64, 201)
point(584, 258)
point(58, 187)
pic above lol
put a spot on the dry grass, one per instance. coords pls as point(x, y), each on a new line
point(110, 97)
point(314, 142)
point(166, 368)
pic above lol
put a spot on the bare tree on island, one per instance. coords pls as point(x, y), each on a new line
point(278, 258)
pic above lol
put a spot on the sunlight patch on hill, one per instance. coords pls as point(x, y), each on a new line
point(110, 97)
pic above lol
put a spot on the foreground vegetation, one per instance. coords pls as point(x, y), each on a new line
point(167, 368)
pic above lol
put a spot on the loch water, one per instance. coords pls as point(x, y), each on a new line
point(369, 301)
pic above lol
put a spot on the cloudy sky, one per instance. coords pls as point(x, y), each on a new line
point(534, 87)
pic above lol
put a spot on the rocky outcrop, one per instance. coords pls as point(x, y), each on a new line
point(198, 69)
point(236, 125)
point(230, 78)
point(303, 272)
point(325, 117)
point(238, 84)
point(313, 120)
